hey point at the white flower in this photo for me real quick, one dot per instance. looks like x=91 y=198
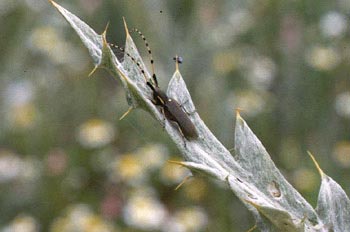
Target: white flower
x=189 y=219
x=144 y=212
x=333 y=24
x=22 y=223
x=261 y=72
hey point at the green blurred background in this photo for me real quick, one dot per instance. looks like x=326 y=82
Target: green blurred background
x=68 y=164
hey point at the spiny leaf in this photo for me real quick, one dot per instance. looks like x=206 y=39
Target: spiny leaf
x=88 y=36
x=250 y=173
x=253 y=157
x=333 y=205
x=281 y=219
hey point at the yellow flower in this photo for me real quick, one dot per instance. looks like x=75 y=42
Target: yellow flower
x=226 y=62
x=152 y=156
x=173 y=173
x=80 y=218
x=23 y=116
x=305 y=179
x=341 y=154
x=322 y=58
x=95 y=133
x=128 y=168
x=251 y=102
x=196 y=189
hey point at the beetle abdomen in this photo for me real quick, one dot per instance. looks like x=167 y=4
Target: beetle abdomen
x=174 y=112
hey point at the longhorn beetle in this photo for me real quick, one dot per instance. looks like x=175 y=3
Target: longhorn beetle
x=170 y=108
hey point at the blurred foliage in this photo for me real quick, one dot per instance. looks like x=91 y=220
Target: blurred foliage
x=68 y=164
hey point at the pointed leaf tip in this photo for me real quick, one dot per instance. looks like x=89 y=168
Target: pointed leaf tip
x=105 y=30
x=316 y=164
x=176 y=63
x=253 y=228
x=91 y=40
x=93 y=71
x=54 y=4
x=126 y=28
x=177 y=73
x=238 y=112
x=176 y=162
x=183 y=182
x=239 y=118
x=252 y=204
x=104 y=39
x=126 y=113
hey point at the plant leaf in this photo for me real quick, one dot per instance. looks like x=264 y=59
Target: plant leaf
x=253 y=157
x=88 y=36
x=333 y=205
x=250 y=173
x=281 y=219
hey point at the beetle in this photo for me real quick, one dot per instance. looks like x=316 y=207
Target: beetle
x=170 y=108
x=173 y=111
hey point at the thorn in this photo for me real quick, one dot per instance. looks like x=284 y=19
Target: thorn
x=238 y=111
x=126 y=28
x=105 y=44
x=177 y=63
x=106 y=28
x=93 y=71
x=252 y=229
x=182 y=182
x=252 y=204
x=53 y=3
x=126 y=113
x=176 y=162
x=123 y=76
x=316 y=164
x=181 y=164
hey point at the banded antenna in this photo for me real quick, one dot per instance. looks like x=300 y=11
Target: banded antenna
x=149 y=53
x=132 y=58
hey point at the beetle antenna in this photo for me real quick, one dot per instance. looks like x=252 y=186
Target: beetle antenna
x=154 y=78
x=150 y=85
x=132 y=58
